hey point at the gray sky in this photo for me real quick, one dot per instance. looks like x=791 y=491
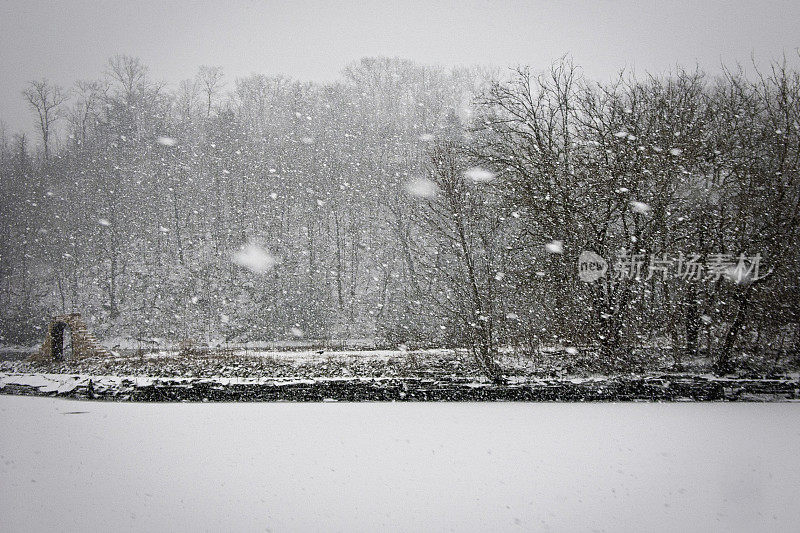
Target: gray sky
x=311 y=40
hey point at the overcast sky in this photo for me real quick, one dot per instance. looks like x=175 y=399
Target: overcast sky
x=310 y=40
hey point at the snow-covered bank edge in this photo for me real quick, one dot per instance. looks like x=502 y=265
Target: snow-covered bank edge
x=641 y=388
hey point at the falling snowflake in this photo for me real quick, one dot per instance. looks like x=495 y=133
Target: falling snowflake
x=555 y=247
x=166 y=141
x=254 y=258
x=512 y=316
x=571 y=350
x=479 y=175
x=500 y=276
x=307 y=140
x=296 y=331
x=640 y=207
x=426 y=137
x=103 y=221
x=621 y=134
x=320 y=203
x=676 y=151
x=163 y=229
x=273 y=195
x=421 y=188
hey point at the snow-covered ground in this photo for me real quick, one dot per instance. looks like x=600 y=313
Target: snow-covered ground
x=73 y=466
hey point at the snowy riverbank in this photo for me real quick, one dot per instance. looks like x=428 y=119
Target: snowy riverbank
x=677 y=387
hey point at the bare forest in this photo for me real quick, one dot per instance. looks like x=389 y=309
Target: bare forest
x=413 y=206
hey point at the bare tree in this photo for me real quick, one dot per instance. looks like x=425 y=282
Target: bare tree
x=86 y=110
x=46 y=99
x=466 y=224
x=129 y=72
x=188 y=91
x=211 y=82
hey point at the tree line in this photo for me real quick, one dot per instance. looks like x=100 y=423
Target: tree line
x=418 y=205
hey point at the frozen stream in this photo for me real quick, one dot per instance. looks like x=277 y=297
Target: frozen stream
x=76 y=466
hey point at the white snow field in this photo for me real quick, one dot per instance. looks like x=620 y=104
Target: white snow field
x=76 y=466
